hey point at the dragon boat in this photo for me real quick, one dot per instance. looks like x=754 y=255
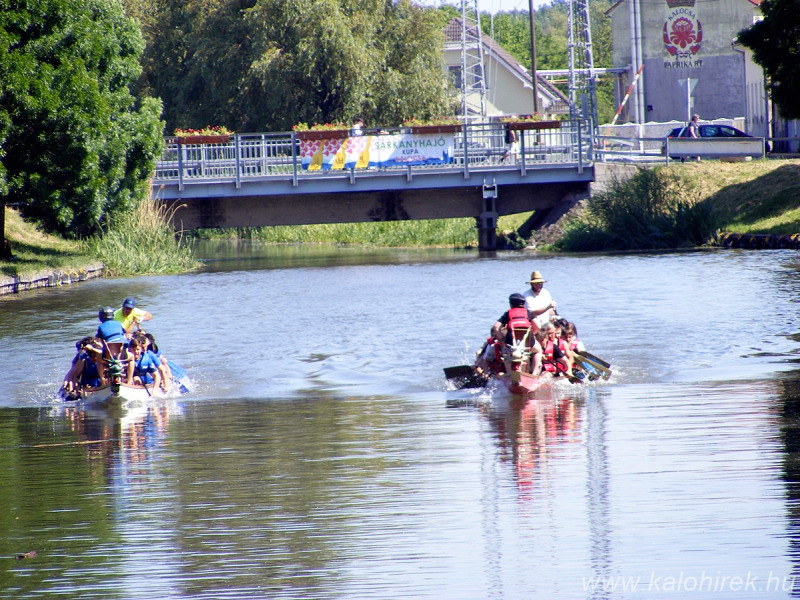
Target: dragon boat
x=515 y=374
x=116 y=394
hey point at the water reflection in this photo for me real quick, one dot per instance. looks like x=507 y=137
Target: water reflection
x=120 y=440
x=789 y=410
x=530 y=432
x=228 y=255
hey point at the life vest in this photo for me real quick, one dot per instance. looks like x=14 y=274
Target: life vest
x=90 y=375
x=548 y=354
x=518 y=321
x=497 y=365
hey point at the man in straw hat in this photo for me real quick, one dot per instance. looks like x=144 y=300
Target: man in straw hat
x=538 y=300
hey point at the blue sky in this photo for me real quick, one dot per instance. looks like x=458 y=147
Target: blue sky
x=491 y=6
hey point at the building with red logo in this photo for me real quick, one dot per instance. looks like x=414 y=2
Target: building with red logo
x=692 y=63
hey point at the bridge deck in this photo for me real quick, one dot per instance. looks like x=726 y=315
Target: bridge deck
x=275 y=179
x=274 y=161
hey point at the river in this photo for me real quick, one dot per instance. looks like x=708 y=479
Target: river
x=321 y=454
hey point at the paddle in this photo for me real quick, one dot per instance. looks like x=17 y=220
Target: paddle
x=602 y=368
x=459 y=371
x=563 y=371
x=595 y=359
x=465 y=377
x=590 y=371
x=179 y=374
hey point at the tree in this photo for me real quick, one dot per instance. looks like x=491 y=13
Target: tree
x=76 y=144
x=775 y=42
x=256 y=65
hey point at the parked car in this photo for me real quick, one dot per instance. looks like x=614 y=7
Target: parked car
x=707 y=131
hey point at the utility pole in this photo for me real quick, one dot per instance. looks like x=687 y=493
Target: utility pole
x=533 y=61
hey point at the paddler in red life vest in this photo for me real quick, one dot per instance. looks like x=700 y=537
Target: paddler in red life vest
x=556 y=355
x=538 y=300
x=490 y=358
x=516 y=322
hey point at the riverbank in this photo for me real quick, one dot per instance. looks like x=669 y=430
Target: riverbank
x=141 y=243
x=685 y=205
x=756 y=197
x=42 y=260
x=748 y=197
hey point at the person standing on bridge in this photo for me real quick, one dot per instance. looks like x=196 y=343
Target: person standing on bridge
x=538 y=300
x=512 y=144
x=358 y=127
x=694 y=131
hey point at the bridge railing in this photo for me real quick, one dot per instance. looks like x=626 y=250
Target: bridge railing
x=259 y=156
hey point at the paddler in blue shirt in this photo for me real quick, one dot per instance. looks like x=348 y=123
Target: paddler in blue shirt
x=111 y=332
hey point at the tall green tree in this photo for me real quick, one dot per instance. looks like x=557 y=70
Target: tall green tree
x=775 y=42
x=76 y=144
x=256 y=65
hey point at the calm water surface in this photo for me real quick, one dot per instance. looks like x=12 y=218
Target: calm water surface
x=321 y=454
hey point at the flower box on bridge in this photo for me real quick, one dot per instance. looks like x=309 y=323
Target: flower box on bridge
x=188 y=140
x=428 y=129
x=322 y=134
x=528 y=125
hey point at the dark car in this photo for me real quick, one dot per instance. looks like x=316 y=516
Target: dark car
x=707 y=131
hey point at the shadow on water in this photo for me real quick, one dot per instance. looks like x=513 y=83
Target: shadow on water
x=789 y=412
x=228 y=255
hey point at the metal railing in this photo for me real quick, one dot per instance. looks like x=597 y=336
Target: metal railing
x=654 y=150
x=261 y=156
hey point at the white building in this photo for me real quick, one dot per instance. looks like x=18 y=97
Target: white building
x=509 y=89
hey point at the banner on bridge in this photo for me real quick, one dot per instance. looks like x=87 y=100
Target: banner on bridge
x=391 y=150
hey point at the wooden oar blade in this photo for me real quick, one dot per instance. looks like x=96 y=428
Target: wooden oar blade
x=459 y=371
x=463 y=376
x=596 y=359
x=590 y=365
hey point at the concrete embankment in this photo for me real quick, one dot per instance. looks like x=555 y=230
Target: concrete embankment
x=45 y=279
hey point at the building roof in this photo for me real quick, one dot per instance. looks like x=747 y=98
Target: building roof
x=452 y=37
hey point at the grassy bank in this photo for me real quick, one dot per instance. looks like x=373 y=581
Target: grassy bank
x=35 y=251
x=746 y=197
x=139 y=243
x=439 y=233
x=684 y=205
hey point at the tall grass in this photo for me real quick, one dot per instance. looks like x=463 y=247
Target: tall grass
x=654 y=209
x=457 y=233
x=434 y=233
x=141 y=241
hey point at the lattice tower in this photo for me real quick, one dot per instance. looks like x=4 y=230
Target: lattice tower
x=582 y=88
x=473 y=82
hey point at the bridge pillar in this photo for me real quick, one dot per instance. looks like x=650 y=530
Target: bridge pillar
x=487 y=222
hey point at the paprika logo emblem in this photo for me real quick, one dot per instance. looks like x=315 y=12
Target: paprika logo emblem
x=683 y=33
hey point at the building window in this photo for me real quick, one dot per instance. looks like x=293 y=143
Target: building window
x=455 y=77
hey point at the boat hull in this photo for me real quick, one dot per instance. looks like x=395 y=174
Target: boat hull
x=106 y=397
x=521 y=383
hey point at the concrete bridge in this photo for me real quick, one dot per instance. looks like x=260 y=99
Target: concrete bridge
x=252 y=180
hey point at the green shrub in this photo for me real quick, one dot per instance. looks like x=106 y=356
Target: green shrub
x=654 y=209
x=141 y=241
